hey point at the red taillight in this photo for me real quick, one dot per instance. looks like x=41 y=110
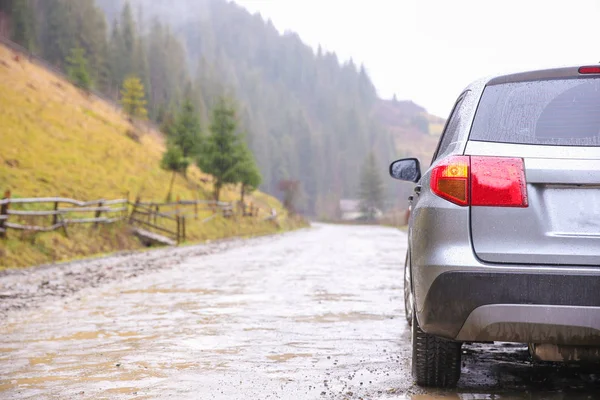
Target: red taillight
x=450 y=180
x=592 y=69
x=481 y=181
x=498 y=181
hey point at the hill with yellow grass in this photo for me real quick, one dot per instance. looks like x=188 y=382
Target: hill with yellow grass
x=56 y=140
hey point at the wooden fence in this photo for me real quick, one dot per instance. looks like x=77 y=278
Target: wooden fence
x=62 y=212
x=167 y=219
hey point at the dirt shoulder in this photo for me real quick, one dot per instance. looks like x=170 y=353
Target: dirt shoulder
x=30 y=287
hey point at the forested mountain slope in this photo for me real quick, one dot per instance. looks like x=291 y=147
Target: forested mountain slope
x=306 y=115
x=58 y=141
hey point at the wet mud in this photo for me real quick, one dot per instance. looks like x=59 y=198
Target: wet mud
x=314 y=314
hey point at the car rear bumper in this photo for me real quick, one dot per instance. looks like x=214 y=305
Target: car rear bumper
x=526 y=307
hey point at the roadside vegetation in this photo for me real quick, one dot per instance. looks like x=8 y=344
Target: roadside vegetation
x=59 y=141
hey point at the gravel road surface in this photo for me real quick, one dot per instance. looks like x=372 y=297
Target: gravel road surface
x=312 y=314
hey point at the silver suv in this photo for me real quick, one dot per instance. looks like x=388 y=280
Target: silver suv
x=504 y=228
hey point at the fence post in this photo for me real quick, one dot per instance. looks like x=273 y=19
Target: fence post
x=64 y=227
x=98 y=213
x=55 y=216
x=133 y=210
x=125 y=211
x=4 y=212
x=183 y=220
x=178 y=220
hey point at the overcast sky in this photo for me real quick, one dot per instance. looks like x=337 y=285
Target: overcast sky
x=429 y=50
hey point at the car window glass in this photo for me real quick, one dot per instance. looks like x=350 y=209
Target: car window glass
x=561 y=112
x=450 y=135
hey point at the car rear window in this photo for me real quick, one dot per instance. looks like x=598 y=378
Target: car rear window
x=562 y=112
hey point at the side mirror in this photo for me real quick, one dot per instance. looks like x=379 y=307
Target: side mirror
x=406 y=169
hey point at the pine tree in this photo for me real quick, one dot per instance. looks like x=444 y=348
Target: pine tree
x=77 y=68
x=173 y=160
x=186 y=132
x=221 y=154
x=128 y=40
x=168 y=74
x=126 y=55
x=371 y=190
x=248 y=173
x=91 y=33
x=59 y=31
x=23 y=24
x=167 y=121
x=133 y=97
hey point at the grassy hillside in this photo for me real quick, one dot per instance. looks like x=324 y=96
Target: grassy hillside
x=57 y=141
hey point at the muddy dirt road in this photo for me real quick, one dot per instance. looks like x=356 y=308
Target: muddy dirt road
x=307 y=315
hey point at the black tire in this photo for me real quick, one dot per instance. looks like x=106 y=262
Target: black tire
x=408 y=306
x=435 y=360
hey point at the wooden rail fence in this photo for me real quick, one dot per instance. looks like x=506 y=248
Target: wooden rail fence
x=150 y=217
x=167 y=219
x=64 y=212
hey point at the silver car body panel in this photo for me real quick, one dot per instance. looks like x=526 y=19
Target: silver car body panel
x=561 y=225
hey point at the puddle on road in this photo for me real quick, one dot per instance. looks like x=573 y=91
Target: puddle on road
x=231 y=351
x=495 y=396
x=288 y=356
x=259 y=329
x=47 y=359
x=80 y=378
x=326 y=296
x=237 y=304
x=342 y=317
x=36 y=382
x=7 y=349
x=127 y=334
x=122 y=390
x=155 y=290
x=210 y=319
x=299 y=344
x=85 y=335
x=139 y=339
x=89 y=335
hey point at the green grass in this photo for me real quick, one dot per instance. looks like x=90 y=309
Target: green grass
x=57 y=141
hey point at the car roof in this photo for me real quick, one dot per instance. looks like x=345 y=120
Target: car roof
x=534 y=75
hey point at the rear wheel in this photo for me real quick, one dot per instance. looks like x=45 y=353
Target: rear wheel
x=435 y=360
